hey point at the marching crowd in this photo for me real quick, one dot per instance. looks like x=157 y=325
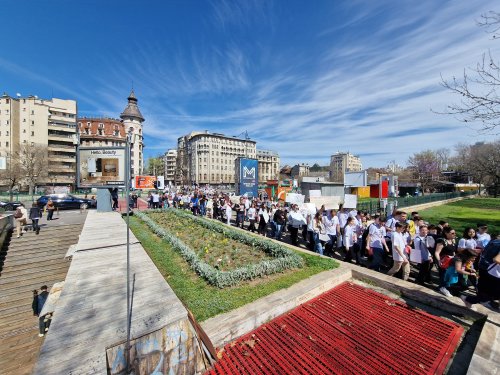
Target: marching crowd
x=397 y=242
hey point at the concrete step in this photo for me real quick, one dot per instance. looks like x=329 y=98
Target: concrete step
x=15 y=273
x=17 y=270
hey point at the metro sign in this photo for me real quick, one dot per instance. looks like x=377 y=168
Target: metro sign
x=248 y=173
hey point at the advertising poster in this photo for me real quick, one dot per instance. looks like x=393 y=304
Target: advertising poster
x=247 y=177
x=101 y=167
x=145 y=182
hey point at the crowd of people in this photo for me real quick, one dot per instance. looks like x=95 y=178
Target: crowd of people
x=392 y=245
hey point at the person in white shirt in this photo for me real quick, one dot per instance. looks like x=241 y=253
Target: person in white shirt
x=342 y=215
x=252 y=215
x=332 y=228
x=295 y=221
x=375 y=242
x=228 y=210
x=468 y=241
x=425 y=244
x=482 y=236
x=263 y=220
x=398 y=252
x=350 y=240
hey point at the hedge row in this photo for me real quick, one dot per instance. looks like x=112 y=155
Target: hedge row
x=284 y=259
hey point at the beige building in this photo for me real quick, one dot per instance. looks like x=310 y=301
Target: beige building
x=342 y=162
x=31 y=121
x=170 y=161
x=299 y=170
x=209 y=158
x=269 y=165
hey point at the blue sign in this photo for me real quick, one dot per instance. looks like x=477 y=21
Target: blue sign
x=248 y=177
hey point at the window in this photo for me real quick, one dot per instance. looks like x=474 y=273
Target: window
x=24 y=120
x=7 y=122
x=6 y=144
x=32 y=133
x=24 y=109
x=32 y=112
x=7 y=133
x=88 y=123
x=24 y=130
x=32 y=122
x=101 y=125
x=32 y=143
x=24 y=141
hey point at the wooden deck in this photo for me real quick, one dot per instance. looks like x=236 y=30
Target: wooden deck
x=28 y=263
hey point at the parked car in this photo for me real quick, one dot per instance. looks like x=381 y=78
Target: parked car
x=9 y=206
x=64 y=201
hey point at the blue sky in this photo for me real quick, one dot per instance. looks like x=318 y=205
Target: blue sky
x=304 y=78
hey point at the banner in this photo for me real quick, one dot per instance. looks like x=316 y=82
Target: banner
x=247 y=178
x=145 y=182
x=350 y=201
x=331 y=203
x=100 y=167
x=294 y=198
x=314 y=193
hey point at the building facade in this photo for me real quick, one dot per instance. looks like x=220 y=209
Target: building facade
x=269 y=165
x=46 y=124
x=111 y=132
x=299 y=170
x=209 y=158
x=101 y=132
x=342 y=162
x=170 y=161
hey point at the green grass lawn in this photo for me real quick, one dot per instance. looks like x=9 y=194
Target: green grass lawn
x=467 y=213
x=206 y=301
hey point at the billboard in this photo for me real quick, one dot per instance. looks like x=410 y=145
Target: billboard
x=145 y=182
x=355 y=179
x=99 y=167
x=247 y=177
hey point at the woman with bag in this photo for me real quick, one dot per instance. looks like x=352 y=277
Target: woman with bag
x=445 y=251
x=489 y=277
x=50 y=209
x=35 y=215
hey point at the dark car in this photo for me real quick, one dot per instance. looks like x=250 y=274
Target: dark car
x=9 y=206
x=64 y=201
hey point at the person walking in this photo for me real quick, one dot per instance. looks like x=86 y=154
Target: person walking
x=424 y=244
x=398 y=252
x=20 y=216
x=35 y=215
x=296 y=221
x=375 y=242
x=263 y=220
x=279 y=222
x=51 y=207
x=318 y=228
x=252 y=217
x=37 y=306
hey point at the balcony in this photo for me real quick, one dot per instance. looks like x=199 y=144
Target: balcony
x=59 y=147
x=62 y=158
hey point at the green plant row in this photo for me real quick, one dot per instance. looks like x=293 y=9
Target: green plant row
x=222 y=279
x=272 y=248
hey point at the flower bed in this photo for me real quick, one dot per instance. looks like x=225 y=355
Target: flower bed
x=276 y=259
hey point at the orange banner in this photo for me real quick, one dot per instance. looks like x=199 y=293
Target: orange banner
x=145 y=182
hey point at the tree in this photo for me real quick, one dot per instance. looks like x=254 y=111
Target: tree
x=156 y=166
x=480 y=161
x=25 y=166
x=315 y=168
x=425 y=168
x=478 y=88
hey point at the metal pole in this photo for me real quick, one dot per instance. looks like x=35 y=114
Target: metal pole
x=127 y=192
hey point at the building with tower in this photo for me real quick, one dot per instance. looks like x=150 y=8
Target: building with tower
x=110 y=132
x=132 y=121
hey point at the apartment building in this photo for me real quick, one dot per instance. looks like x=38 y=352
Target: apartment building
x=51 y=123
x=170 y=160
x=269 y=165
x=342 y=162
x=209 y=158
